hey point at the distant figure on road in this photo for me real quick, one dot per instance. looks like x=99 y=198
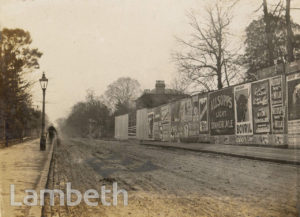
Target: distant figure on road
x=51 y=132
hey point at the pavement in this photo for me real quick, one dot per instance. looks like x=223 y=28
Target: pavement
x=271 y=154
x=25 y=166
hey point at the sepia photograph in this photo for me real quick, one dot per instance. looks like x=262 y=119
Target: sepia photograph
x=150 y=108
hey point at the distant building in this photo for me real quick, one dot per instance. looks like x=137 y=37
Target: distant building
x=158 y=96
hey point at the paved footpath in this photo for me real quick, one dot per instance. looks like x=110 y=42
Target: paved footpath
x=277 y=155
x=25 y=166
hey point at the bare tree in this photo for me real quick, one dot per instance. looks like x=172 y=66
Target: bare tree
x=122 y=92
x=180 y=83
x=90 y=117
x=206 y=59
x=267 y=20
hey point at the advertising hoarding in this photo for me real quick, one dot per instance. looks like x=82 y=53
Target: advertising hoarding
x=203 y=118
x=189 y=110
x=186 y=116
x=277 y=107
x=293 y=95
x=165 y=122
x=157 y=129
x=132 y=124
x=151 y=125
x=175 y=108
x=175 y=120
x=194 y=124
x=195 y=104
x=182 y=110
x=243 y=110
x=221 y=112
x=261 y=107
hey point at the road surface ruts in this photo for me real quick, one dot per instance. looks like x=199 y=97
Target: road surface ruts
x=164 y=182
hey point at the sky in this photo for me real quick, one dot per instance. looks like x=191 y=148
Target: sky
x=88 y=44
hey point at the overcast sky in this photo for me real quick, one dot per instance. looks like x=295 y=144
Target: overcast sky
x=87 y=44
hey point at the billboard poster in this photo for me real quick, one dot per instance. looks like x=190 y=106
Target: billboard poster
x=165 y=122
x=193 y=129
x=186 y=110
x=189 y=110
x=182 y=117
x=165 y=114
x=175 y=119
x=277 y=107
x=132 y=124
x=157 y=129
x=175 y=108
x=221 y=112
x=195 y=104
x=293 y=92
x=184 y=128
x=182 y=110
x=150 y=125
x=243 y=108
x=193 y=123
x=203 y=119
x=174 y=132
x=261 y=107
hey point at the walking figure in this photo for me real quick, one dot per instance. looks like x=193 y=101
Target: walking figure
x=51 y=132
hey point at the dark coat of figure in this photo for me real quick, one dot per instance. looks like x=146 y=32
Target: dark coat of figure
x=51 y=133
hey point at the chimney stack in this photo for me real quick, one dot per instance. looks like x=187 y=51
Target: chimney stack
x=160 y=87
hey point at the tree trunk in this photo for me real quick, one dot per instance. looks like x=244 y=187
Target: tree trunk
x=219 y=74
x=220 y=85
x=226 y=74
x=289 y=44
x=268 y=34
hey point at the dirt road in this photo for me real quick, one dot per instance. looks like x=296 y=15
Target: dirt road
x=164 y=182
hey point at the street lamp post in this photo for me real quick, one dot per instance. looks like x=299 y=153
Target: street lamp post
x=44 y=83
